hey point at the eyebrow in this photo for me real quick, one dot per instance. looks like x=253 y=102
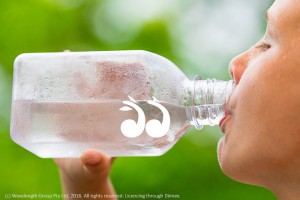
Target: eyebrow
x=269 y=18
x=267 y=15
x=270 y=23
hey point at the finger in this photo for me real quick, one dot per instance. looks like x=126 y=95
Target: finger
x=95 y=162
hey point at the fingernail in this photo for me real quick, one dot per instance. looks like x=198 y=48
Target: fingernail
x=92 y=159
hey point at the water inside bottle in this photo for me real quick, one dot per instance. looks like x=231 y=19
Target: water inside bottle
x=65 y=129
x=209 y=114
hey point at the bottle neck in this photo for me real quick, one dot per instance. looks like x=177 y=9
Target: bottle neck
x=207 y=101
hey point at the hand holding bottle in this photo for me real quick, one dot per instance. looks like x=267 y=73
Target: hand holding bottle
x=86 y=175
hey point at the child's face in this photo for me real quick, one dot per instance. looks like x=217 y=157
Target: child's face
x=262 y=135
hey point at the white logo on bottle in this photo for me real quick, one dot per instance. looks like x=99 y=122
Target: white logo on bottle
x=154 y=127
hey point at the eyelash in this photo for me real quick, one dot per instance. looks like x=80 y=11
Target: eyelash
x=263 y=46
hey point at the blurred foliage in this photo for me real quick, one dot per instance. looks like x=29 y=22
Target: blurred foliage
x=190 y=169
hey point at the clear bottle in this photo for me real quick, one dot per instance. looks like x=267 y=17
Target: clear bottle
x=124 y=103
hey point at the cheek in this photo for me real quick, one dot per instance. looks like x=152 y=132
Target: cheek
x=248 y=120
x=267 y=106
x=261 y=112
x=243 y=141
x=257 y=139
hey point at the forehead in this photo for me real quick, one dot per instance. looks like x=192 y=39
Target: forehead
x=284 y=20
x=286 y=12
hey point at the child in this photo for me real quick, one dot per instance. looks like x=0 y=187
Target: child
x=261 y=141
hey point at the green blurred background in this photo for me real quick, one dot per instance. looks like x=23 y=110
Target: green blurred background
x=199 y=36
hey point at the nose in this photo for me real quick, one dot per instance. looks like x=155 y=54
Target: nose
x=237 y=66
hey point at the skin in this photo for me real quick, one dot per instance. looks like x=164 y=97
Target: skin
x=86 y=175
x=261 y=142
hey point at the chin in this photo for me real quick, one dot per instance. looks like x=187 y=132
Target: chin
x=239 y=171
x=233 y=166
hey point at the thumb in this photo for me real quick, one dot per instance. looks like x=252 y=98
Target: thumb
x=96 y=163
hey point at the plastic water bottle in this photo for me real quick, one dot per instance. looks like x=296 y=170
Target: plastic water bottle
x=123 y=103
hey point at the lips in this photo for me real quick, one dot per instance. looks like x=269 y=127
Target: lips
x=226 y=117
x=222 y=120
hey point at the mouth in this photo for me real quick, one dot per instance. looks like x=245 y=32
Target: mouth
x=227 y=116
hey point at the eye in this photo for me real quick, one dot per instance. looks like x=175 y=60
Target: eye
x=263 y=46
